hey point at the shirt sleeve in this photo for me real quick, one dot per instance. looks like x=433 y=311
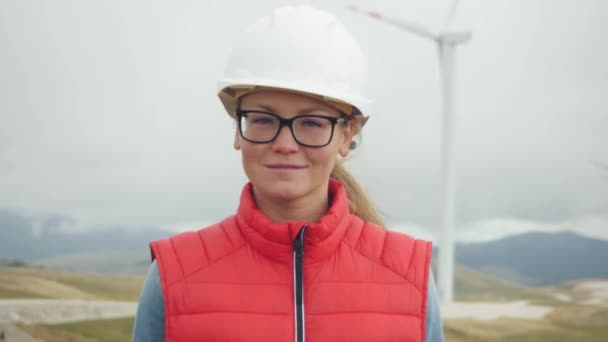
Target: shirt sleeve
x=434 y=325
x=149 y=323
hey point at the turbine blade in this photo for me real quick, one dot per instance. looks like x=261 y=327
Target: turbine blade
x=603 y=166
x=450 y=15
x=404 y=24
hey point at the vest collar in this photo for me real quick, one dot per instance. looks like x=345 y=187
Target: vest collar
x=275 y=240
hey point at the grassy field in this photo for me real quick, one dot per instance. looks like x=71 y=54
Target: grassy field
x=89 y=331
x=520 y=330
x=472 y=286
x=22 y=282
x=25 y=282
x=570 y=321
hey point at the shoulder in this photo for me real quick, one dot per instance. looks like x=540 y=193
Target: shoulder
x=191 y=250
x=371 y=238
x=224 y=234
x=408 y=256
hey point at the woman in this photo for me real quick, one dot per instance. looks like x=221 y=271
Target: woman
x=305 y=257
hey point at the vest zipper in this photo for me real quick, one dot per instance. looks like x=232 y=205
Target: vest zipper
x=298 y=284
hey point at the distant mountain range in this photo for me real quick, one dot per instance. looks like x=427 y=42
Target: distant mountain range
x=39 y=241
x=533 y=258
x=538 y=258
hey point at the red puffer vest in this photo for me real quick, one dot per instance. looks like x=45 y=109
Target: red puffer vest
x=248 y=279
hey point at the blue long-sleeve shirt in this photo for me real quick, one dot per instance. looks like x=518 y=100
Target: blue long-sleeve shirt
x=150 y=318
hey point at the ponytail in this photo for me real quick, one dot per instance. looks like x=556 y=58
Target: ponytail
x=358 y=202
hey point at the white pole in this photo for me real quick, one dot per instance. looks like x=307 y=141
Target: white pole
x=446 y=247
x=446 y=43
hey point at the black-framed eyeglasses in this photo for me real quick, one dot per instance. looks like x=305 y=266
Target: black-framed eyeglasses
x=309 y=130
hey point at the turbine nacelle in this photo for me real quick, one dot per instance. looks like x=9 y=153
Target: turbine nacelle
x=456 y=37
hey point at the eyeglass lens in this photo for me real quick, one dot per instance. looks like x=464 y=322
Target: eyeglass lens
x=308 y=130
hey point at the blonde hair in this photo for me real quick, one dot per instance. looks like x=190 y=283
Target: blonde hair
x=358 y=201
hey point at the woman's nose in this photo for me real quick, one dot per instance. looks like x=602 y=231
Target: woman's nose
x=285 y=141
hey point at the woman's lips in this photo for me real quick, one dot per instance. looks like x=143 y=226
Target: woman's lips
x=284 y=166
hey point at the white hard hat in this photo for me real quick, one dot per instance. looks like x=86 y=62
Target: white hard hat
x=301 y=49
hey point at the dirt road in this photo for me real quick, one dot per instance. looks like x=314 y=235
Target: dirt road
x=10 y=333
x=489 y=311
x=51 y=311
x=47 y=311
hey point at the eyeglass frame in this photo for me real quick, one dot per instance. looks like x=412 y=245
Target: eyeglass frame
x=289 y=123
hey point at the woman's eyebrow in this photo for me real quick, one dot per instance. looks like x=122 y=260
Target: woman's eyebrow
x=308 y=110
x=314 y=109
x=263 y=107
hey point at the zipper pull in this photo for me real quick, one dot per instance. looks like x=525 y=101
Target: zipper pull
x=298 y=284
x=298 y=243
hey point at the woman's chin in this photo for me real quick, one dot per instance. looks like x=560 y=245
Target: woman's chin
x=284 y=191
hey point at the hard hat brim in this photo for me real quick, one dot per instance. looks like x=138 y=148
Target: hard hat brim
x=229 y=92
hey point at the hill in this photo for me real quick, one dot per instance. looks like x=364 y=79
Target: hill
x=538 y=259
x=42 y=241
x=29 y=282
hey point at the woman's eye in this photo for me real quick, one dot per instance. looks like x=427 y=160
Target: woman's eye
x=261 y=121
x=312 y=123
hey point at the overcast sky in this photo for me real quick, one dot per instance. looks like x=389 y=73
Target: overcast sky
x=109 y=114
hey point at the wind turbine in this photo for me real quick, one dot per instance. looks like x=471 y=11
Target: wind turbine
x=599 y=164
x=446 y=41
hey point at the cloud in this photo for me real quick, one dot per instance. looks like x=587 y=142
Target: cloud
x=110 y=115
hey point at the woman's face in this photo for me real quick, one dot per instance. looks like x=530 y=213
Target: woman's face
x=284 y=170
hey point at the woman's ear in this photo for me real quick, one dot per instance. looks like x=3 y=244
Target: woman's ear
x=347 y=140
x=237 y=140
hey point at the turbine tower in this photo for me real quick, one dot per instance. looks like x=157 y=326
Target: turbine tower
x=446 y=41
